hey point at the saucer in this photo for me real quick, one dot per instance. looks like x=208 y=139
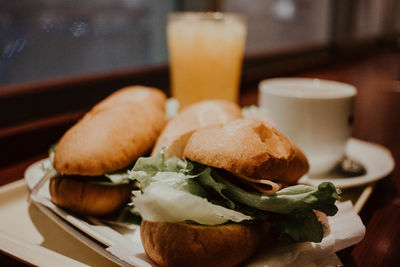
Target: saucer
x=377 y=160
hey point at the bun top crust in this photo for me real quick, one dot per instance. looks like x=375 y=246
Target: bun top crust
x=132 y=95
x=248 y=147
x=113 y=134
x=193 y=117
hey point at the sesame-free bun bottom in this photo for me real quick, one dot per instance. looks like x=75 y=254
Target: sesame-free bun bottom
x=182 y=244
x=87 y=198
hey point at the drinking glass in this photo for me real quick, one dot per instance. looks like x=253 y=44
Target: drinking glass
x=205 y=54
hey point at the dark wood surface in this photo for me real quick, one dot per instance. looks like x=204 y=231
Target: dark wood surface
x=377 y=119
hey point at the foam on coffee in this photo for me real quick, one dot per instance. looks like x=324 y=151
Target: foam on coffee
x=307 y=88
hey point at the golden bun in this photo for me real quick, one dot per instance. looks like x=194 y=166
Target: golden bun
x=113 y=134
x=181 y=244
x=248 y=147
x=194 y=117
x=87 y=198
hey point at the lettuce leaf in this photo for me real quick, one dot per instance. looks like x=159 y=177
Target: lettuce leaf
x=146 y=169
x=299 y=226
x=173 y=172
x=121 y=177
x=287 y=200
x=52 y=153
x=176 y=190
x=158 y=163
x=162 y=202
x=170 y=192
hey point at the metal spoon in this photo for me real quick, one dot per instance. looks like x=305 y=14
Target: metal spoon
x=346 y=168
x=350 y=168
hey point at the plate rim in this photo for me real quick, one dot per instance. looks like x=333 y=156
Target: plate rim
x=344 y=183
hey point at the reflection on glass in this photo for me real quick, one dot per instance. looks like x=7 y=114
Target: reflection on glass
x=283 y=24
x=370 y=18
x=47 y=39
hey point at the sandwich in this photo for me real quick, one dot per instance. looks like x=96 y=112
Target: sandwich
x=91 y=156
x=191 y=118
x=232 y=191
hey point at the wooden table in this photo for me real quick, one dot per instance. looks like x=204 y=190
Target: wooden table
x=377 y=119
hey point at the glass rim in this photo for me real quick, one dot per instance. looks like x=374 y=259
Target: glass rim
x=207 y=16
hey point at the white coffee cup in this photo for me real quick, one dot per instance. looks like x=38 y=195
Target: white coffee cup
x=315 y=114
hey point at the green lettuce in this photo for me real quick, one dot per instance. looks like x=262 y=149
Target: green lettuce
x=176 y=190
x=287 y=200
x=119 y=177
x=171 y=192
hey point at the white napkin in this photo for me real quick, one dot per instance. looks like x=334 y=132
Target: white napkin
x=347 y=229
x=346 y=226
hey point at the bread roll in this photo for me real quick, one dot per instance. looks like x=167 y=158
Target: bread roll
x=181 y=244
x=193 y=117
x=250 y=148
x=86 y=198
x=113 y=134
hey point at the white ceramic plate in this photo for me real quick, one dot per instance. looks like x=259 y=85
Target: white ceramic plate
x=377 y=160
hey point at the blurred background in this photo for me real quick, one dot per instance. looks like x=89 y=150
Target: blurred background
x=43 y=40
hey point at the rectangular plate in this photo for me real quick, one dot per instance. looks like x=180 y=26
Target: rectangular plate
x=358 y=195
x=52 y=235
x=24 y=225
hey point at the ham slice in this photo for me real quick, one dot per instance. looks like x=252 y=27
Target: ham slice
x=262 y=185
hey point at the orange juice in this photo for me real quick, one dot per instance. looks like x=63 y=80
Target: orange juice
x=205 y=54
